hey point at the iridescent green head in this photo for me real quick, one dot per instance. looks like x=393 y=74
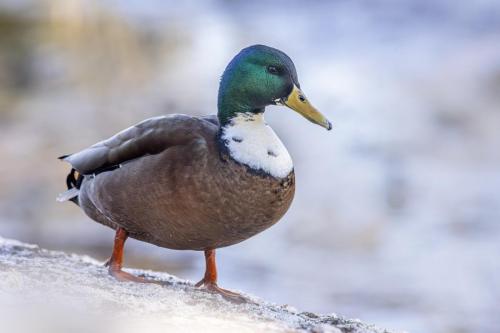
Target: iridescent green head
x=259 y=76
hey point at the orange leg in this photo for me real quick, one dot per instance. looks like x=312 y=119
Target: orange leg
x=115 y=263
x=209 y=281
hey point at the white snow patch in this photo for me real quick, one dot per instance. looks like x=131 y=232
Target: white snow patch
x=48 y=291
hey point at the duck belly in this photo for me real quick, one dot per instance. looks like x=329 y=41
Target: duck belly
x=193 y=206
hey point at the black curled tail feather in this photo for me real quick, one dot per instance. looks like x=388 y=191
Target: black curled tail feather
x=74 y=181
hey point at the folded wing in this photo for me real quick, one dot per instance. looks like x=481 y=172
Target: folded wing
x=151 y=136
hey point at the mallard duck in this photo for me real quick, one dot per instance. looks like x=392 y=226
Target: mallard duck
x=197 y=183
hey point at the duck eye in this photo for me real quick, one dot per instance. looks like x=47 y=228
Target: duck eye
x=273 y=69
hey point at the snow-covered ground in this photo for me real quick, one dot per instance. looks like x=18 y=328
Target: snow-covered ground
x=47 y=291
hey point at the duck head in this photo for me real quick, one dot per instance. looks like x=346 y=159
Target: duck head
x=259 y=76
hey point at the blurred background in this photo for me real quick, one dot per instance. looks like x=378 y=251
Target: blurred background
x=396 y=218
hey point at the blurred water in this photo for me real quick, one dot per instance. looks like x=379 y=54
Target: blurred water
x=396 y=216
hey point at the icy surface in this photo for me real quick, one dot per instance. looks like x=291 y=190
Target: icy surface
x=50 y=291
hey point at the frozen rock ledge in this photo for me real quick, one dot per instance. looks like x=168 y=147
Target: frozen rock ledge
x=49 y=291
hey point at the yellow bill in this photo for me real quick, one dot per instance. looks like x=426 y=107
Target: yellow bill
x=298 y=102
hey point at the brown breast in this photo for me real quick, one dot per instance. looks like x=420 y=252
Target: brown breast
x=189 y=197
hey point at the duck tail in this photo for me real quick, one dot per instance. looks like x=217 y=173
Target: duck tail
x=73 y=182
